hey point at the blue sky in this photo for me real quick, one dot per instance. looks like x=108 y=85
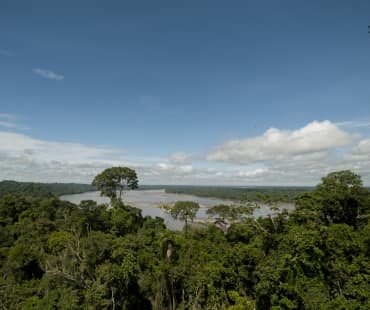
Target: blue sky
x=180 y=90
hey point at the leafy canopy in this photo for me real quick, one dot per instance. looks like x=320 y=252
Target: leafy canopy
x=115 y=180
x=184 y=210
x=343 y=197
x=58 y=255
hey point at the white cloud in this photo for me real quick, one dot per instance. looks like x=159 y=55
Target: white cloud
x=186 y=168
x=276 y=144
x=27 y=159
x=253 y=173
x=15 y=144
x=296 y=157
x=360 y=155
x=172 y=169
x=181 y=158
x=47 y=74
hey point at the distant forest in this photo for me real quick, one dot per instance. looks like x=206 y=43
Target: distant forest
x=42 y=189
x=258 y=194
x=264 y=194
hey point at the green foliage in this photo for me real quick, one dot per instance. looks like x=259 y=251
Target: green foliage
x=41 y=190
x=240 y=302
x=257 y=194
x=58 y=241
x=115 y=179
x=234 y=212
x=57 y=255
x=183 y=211
x=343 y=198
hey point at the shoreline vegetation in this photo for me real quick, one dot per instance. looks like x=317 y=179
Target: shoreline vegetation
x=264 y=194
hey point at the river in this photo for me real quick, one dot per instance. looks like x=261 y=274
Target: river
x=150 y=200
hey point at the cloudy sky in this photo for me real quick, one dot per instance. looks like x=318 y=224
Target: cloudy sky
x=194 y=92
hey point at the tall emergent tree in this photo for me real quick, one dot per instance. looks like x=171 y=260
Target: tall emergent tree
x=343 y=197
x=112 y=182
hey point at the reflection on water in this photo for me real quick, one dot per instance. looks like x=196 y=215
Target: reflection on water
x=149 y=200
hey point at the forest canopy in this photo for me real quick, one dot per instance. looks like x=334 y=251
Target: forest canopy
x=43 y=189
x=58 y=255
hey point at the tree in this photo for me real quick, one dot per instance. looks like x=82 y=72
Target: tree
x=225 y=215
x=343 y=197
x=232 y=213
x=222 y=212
x=183 y=211
x=115 y=180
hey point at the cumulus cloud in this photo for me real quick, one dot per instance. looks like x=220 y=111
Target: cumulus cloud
x=277 y=144
x=277 y=157
x=16 y=144
x=47 y=74
x=362 y=150
x=24 y=158
x=295 y=157
x=359 y=157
